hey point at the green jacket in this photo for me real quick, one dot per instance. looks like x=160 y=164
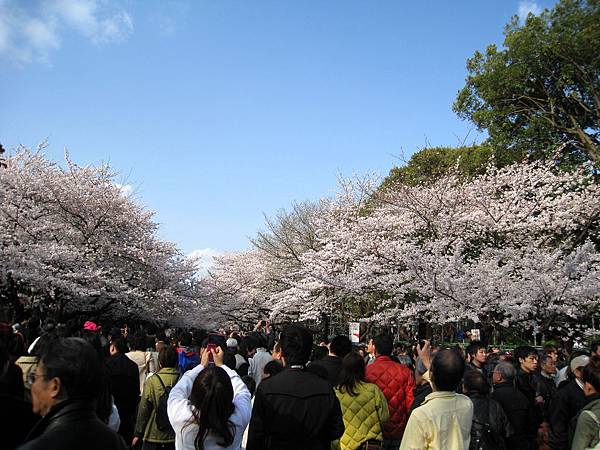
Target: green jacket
x=364 y=416
x=145 y=425
x=587 y=433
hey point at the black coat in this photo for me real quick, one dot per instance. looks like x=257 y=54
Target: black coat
x=295 y=410
x=526 y=385
x=124 y=383
x=125 y=389
x=488 y=411
x=546 y=387
x=419 y=393
x=567 y=402
x=72 y=425
x=520 y=413
x=333 y=366
x=16 y=419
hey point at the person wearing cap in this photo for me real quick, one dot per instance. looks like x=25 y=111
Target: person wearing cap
x=233 y=347
x=567 y=402
x=232 y=344
x=587 y=432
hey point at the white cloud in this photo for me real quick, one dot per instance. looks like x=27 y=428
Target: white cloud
x=205 y=258
x=527 y=7
x=30 y=30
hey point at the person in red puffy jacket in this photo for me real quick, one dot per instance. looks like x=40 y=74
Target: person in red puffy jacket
x=397 y=383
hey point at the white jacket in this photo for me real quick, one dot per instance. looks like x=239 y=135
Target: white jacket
x=257 y=364
x=179 y=410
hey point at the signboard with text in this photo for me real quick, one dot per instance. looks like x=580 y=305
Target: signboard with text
x=354 y=332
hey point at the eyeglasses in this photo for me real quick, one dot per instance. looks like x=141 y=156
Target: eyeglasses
x=32 y=376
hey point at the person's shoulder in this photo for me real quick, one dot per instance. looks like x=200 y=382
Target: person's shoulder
x=314 y=378
x=495 y=404
x=130 y=363
x=367 y=386
x=464 y=400
x=401 y=368
x=66 y=437
x=295 y=380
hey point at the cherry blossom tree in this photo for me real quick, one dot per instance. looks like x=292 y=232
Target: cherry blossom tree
x=71 y=243
x=517 y=246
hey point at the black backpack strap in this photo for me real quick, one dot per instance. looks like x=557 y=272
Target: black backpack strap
x=161 y=381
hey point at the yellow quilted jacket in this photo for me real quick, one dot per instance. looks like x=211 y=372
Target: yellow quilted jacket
x=364 y=416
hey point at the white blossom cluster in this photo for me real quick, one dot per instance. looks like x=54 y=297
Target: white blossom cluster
x=72 y=244
x=517 y=246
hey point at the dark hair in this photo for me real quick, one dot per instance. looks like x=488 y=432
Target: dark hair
x=296 y=343
x=492 y=359
x=13 y=342
x=383 y=344
x=46 y=339
x=259 y=338
x=591 y=372
x=229 y=359
x=216 y=339
x=212 y=398
x=161 y=336
x=273 y=368
x=93 y=339
x=120 y=345
x=340 y=346
x=544 y=357
x=139 y=342
x=523 y=351
x=447 y=368
x=168 y=357
x=594 y=346
x=550 y=348
x=353 y=372
x=475 y=382
x=318 y=352
x=246 y=345
x=115 y=333
x=104 y=399
x=185 y=339
x=75 y=362
x=474 y=347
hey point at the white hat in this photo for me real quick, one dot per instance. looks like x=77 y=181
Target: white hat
x=231 y=342
x=580 y=361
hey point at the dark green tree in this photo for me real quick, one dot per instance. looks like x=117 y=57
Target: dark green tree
x=542 y=88
x=431 y=163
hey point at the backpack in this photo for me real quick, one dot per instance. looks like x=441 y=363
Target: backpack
x=483 y=437
x=162 y=418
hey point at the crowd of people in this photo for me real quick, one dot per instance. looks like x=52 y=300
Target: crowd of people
x=118 y=389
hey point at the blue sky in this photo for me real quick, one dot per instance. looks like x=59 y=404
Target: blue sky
x=217 y=111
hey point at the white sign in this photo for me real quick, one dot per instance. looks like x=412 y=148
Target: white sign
x=354 y=332
x=475 y=334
